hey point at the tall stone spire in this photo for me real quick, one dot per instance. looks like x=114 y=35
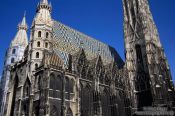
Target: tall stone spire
x=21 y=36
x=146 y=62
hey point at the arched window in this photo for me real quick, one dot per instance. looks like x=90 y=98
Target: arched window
x=52 y=81
x=37 y=55
x=13 y=51
x=39 y=33
x=58 y=83
x=47 y=34
x=36 y=66
x=46 y=45
x=38 y=44
x=12 y=60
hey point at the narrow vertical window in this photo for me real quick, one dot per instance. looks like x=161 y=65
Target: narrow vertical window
x=13 y=51
x=47 y=35
x=38 y=44
x=12 y=60
x=46 y=45
x=39 y=34
x=37 y=55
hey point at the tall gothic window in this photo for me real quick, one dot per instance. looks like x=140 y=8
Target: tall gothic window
x=37 y=55
x=38 y=44
x=52 y=81
x=58 y=83
x=86 y=101
x=139 y=53
x=13 y=51
x=55 y=85
x=39 y=33
x=105 y=104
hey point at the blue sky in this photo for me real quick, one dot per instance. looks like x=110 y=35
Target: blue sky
x=101 y=19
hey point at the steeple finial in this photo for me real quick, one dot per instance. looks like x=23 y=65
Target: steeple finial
x=23 y=24
x=43 y=4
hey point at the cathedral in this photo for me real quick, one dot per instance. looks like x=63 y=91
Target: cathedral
x=63 y=72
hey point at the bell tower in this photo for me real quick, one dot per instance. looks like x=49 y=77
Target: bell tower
x=149 y=72
x=41 y=33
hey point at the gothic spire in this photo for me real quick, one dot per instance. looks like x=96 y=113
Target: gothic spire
x=43 y=4
x=21 y=36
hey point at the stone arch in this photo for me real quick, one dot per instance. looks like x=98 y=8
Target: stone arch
x=69 y=112
x=82 y=63
x=99 y=66
x=27 y=85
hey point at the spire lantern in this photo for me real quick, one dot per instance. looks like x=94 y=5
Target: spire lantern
x=44 y=5
x=44 y=2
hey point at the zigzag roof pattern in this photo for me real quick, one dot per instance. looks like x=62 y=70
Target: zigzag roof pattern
x=69 y=41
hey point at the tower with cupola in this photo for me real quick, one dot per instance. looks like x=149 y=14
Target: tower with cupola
x=41 y=33
x=14 y=54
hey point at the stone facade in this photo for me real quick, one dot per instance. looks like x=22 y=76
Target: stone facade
x=148 y=69
x=66 y=73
